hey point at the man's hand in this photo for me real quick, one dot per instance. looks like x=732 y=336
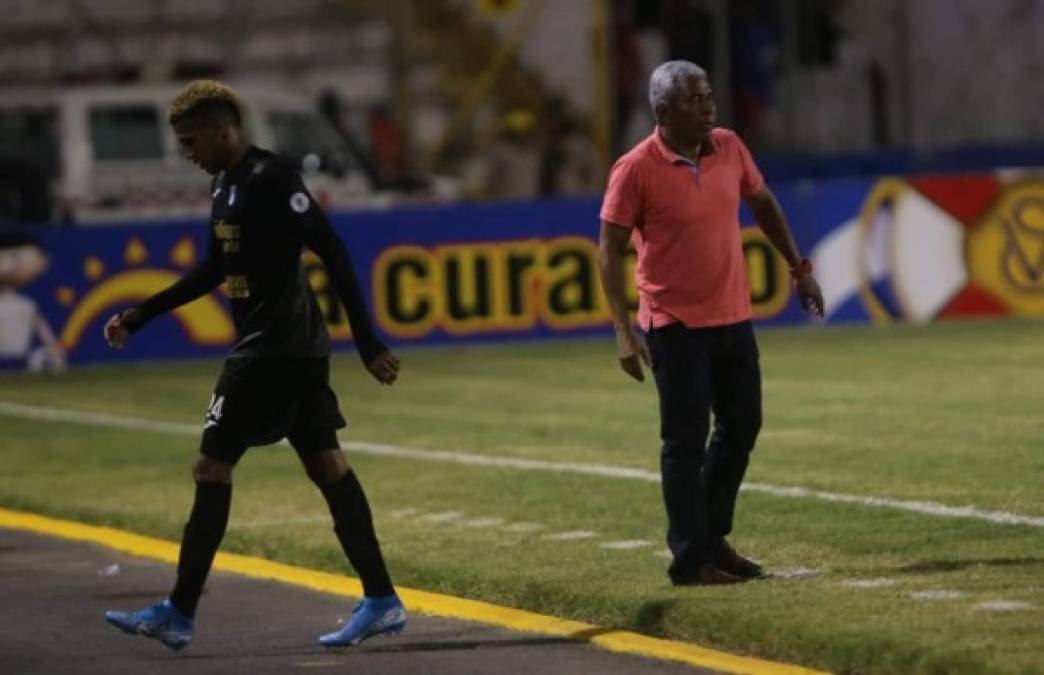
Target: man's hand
x=632 y=352
x=384 y=368
x=116 y=332
x=810 y=295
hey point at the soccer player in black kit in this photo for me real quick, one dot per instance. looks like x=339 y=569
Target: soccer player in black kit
x=274 y=383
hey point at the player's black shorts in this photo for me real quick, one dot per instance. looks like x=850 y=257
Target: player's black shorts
x=258 y=401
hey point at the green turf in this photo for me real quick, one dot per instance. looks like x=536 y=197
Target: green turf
x=949 y=413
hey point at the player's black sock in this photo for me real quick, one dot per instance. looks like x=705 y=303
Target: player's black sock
x=353 y=524
x=203 y=534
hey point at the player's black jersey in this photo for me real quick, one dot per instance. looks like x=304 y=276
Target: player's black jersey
x=261 y=218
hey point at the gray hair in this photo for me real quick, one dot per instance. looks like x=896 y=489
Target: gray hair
x=666 y=79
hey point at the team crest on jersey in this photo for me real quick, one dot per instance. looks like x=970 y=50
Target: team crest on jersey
x=299 y=202
x=214 y=411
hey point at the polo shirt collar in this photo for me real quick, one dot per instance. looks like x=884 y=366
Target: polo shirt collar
x=672 y=156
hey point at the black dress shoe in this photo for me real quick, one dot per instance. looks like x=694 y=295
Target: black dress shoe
x=706 y=574
x=733 y=563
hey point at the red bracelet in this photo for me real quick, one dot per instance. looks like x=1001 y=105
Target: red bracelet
x=804 y=267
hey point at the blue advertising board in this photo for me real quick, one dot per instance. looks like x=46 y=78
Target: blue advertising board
x=885 y=250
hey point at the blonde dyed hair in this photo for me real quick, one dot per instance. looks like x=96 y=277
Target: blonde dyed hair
x=204 y=96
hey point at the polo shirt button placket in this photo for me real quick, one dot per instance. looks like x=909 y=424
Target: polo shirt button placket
x=694 y=170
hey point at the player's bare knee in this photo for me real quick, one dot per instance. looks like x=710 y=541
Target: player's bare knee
x=207 y=470
x=327 y=467
x=331 y=476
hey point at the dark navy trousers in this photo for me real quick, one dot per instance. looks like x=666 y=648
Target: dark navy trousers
x=699 y=371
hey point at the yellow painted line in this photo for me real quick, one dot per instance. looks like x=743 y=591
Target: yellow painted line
x=423 y=602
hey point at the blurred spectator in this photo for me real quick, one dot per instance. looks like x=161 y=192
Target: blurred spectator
x=568 y=166
x=389 y=153
x=26 y=339
x=332 y=108
x=387 y=143
x=513 y=167
x=385 y=163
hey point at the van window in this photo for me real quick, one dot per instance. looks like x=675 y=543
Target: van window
x=126 y=133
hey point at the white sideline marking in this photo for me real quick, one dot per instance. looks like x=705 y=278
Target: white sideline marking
x=483 y=522
x=626 y=544
x=444 y=517
x=524 y=527
x=569 y=536
x=937 y=595
x=1004 y=606
x=880 y=582
x=664 y=553
x=402 y=513
x=915 y=505
x=602 y=470
x=795 y=573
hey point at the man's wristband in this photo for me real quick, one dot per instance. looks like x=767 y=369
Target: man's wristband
x=802 y=268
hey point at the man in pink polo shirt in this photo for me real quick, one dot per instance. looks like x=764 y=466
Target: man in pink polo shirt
x=676 y=196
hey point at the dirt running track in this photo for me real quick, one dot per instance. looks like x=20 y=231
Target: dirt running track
x=53 y=593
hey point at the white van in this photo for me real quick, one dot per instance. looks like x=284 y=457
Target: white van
x=110 y=155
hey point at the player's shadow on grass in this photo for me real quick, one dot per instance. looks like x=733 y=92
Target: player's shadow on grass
x=930 y=566
x=651 y=614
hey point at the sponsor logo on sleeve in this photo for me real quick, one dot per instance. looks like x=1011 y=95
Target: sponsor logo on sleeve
x=299 y=202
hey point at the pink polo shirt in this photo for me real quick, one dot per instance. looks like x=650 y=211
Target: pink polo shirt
x=684 y=222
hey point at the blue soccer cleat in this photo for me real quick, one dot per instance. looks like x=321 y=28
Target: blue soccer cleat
x=372 y=617
x=161 y=622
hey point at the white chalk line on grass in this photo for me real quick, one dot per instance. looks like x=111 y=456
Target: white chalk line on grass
x=1004 y=606
x=601 y=470
x=877 y=582
x=444 y=517
x=571 y=535
x=794 y=573
x=936 y=594
x=626 y=545
x=523 y=528
x=483 y=522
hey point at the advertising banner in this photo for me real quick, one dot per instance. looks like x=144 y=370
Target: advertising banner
x=917 y=249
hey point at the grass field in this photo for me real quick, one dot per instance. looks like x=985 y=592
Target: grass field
x=945 y=413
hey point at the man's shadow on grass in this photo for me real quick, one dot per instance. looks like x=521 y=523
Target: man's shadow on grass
x=651 y=615
x=932 y=566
